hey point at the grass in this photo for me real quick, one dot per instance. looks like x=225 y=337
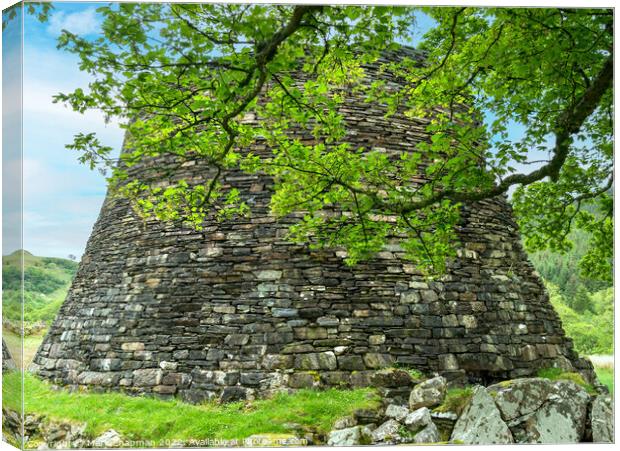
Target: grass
x=149 y=419
x=456 y=400
x=31 y=344
x=606 y=376
x=413 y=372
x=555 y=374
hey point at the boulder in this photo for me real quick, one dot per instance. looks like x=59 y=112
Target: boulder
x=387 y=433
x=418 y=420
x=519 y=397
x=445 y=422
x=481 y=422
x=367 y=416
x=345 y=422
x=396 y=412
x=421 y=425
x=428 y=393
x=429 y=434
x=357 y=435
x=109 y=439
x=541 y=410
x=602 y=420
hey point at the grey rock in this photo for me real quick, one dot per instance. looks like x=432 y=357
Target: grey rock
x=232 y=394
x=396 y=412
x=328 y=321
x=268 y=274
x=357 y=435
x=109 y=439
x=367 y=416
x=351 y=363
x=387 y=433
x=602 y=419
x=301 y=380
x=430 y=434
x=194 y=396
x=417 y=420
x=345 y=422
x=284 y=312
x=391 y=377
x=377 y=360
x=481 y=422
x=147 y=377
x=98 y=378
x=428 y=393
x=316 y=361
x=543 y=411
x=168 y=366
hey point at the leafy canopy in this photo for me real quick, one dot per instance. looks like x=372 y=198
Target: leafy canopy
x=181 y=79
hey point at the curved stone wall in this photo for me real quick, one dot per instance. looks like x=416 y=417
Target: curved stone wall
x=235 y=310
x=8 y=363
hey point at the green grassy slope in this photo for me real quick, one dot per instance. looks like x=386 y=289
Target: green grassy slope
x=142 y=418
x=46 y=281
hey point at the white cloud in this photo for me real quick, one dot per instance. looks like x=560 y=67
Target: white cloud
x=81 y=23
x=62 y=197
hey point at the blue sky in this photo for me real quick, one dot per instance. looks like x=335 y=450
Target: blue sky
x=62 y=198
x=11 y=134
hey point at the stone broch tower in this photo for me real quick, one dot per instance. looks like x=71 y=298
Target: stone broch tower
x=235 y=310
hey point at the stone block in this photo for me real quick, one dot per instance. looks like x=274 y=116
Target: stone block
x=302 y=380
x=268 y=274
x=233 y=394
x=178 y=379
x=310 y=333
x=328 y=321
x=147 y=377
x=106 y=364
x=284 y=312
x=310 y=312
x=278 y=361
x=165 y=389
x=316 y=361
x=378 y=360
x=168 y=366
x=193 y=396
x=237 y=339
x=335 y=378
x=96 y=378
x=351 y=362
x=225 y=377
x=361 y=379
x=391 y=377
x=252 y=379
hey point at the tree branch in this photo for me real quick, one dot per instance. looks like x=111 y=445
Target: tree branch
x=569 y=123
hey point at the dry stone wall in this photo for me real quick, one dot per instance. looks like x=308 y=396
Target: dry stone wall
x=236 y=311
x=7 y=359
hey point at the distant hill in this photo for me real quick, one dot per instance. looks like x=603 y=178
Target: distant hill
x=562 y=269
x=46 y=281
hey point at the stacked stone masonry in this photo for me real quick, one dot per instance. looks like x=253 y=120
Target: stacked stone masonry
x=236 y=310
x=7 y=359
